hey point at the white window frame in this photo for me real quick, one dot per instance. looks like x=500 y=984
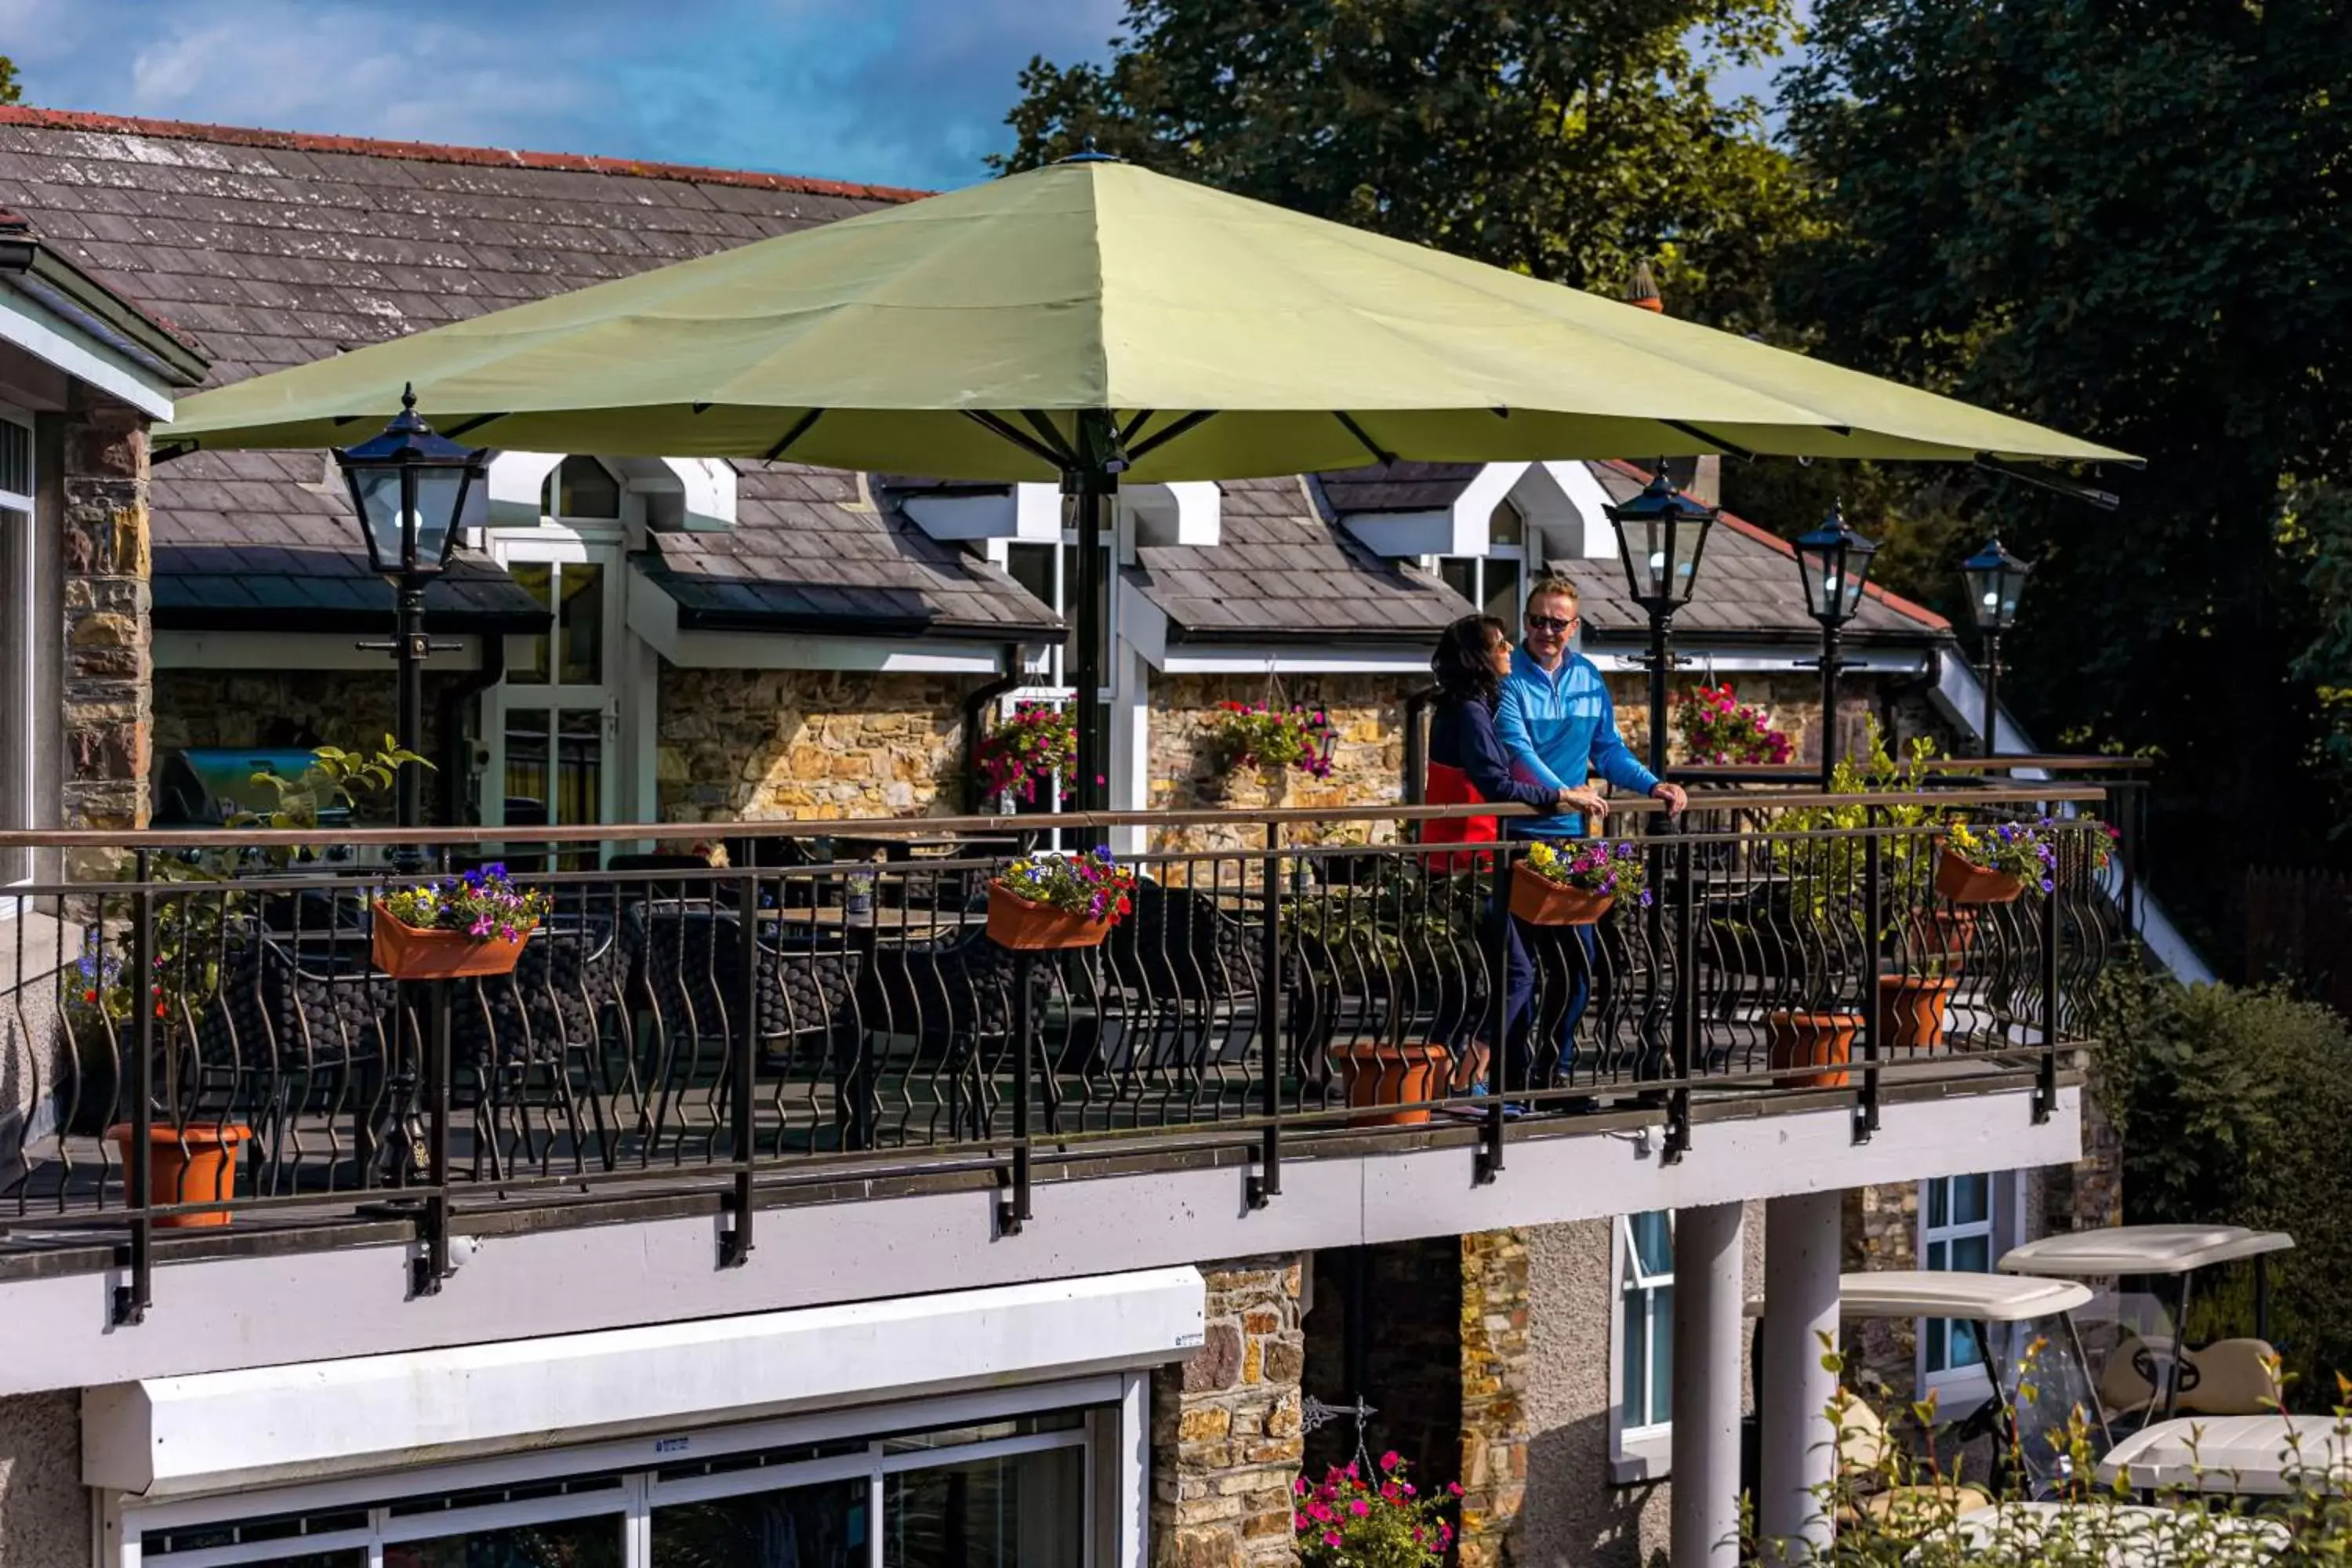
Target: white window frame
x=1110 y=1434
x=20 y=752
x=1047 y=678
x=1638 y=1451
x=1960 y=1390
x=1527 y=554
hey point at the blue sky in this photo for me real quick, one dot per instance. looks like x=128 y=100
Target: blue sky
x=908 y=92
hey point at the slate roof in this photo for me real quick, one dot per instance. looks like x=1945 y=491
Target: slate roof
x=809 y=552
x=1397 y=487
x=273 y=248
x=1282 y=574
x=1747 y=588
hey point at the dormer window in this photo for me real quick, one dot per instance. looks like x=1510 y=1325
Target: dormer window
x=584 y=488
x=1496 y=581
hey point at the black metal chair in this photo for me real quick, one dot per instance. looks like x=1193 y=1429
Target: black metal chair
x=1172 y=1011
x=522 y=1037
x=936 y=1014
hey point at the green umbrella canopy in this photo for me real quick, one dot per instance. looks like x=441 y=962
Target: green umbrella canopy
x=948 y=336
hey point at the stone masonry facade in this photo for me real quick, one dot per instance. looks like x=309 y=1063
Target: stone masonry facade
x=107 y=676
x=1496 y=1347
x=1226 y=1438
x=770 y=744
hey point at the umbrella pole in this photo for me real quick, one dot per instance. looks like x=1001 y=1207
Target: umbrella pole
x=1092 y=483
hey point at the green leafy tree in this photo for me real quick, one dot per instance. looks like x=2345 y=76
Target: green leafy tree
x=11 y=89
x=1568 y=140
x=2122 y=217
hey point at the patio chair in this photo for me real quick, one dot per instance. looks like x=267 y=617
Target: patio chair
x=1172 y=1011
x=521 y=1037
x=935 y=1016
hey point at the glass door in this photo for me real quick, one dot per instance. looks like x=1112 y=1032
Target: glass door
x=551 y=728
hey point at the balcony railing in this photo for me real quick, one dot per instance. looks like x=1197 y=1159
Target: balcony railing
x=733 y=1032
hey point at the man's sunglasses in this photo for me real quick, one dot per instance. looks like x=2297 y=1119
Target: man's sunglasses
x=1552 y=623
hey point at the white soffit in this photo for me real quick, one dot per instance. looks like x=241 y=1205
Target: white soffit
x=169 y=1436
x=1458 y=530
x=518 y=487
x=1029 y=514
x=1186 y=513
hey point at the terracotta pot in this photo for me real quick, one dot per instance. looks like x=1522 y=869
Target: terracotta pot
x=406 y=953
x=1393 y=1075
x=1545 y=903
x=1964 y=881
x=1945 y=934
x=1013 y=922
x=1911 y=1011
x=186 y=1166
x=1813 y=1041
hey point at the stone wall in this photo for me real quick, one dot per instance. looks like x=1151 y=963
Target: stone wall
x=1225 y=1440
x=107 y=637
x=1881 y=1231
x=45 y=1518
x=1793 y=703
x=1368 y=763
x=773 y=745
x=1496 y=1349
x=353 y=709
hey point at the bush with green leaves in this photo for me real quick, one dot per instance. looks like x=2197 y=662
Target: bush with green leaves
x=2233 y=1105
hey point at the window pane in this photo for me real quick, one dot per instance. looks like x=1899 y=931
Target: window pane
x=1971 y=1255
x=586 y=488
x=1031 y=566
x=17 y=705
x=1460 y=574
x=1939 y=1203
x=1633 y=1382
x=1966 y=1351
x=1972 y=1199
x=582 y=624
x=1507 y=526
x=1026 y=1511
x=1503 y=592
x=1069 y=609
x=1938 y=1255
x=529 y=667
x=1662 y=1353
x=1936 y=1353
x=1654 y=1242
x=579 y=763
x=567 y=1544
x=527 y=784
x=805 y=1527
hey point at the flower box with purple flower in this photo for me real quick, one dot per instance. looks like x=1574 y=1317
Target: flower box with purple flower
x=1576 y=883
x=1044 y=902
x=456 y=928
x=1994 y=863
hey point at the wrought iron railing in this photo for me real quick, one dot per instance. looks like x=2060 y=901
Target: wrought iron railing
x=675 y=1025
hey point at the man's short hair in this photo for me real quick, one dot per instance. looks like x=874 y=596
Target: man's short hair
x=1555 y=583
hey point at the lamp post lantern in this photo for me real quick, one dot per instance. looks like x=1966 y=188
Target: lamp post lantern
x=1996 y=581
x=409 y=488
x=1834 y=562
x=1661 y=536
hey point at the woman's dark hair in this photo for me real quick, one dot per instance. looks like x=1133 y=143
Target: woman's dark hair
x=1461 y=660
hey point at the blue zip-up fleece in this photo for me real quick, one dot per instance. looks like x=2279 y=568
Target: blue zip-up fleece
x=1561 y=729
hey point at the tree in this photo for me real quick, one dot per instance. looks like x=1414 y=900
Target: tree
x=1565 y=140
x=11 y=89
x=2122 y=217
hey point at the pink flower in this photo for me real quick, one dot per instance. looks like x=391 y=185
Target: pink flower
x=1298 y=1487
x=1321 y=1513
x=1331 y=1538
x=1359 y=1508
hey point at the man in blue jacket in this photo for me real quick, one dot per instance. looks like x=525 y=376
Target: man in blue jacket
x=1557 y=722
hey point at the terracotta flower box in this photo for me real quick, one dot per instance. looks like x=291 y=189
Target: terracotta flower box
x=1963 y=881
x=408 y=952
x=1542 y=902
x=1015 y=922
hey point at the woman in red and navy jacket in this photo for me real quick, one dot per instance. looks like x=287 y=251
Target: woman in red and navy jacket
x=1467 y=763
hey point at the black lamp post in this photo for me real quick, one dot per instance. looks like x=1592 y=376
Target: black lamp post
x=1996 y=581
x=1661 y=534
x=1834 y=562
x=409 y=487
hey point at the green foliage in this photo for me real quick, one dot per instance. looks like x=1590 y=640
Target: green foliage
x=11 y=89
x=1568 y=140
x=336 y=779
x=2231 y=1105
x=2121 y=219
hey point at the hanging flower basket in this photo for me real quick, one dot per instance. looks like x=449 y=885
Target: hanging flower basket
x=1044 y=903
x=1575 y=885
x=1027 y=753
x=1717 y=729
x=456 y=928
x=1256 y=735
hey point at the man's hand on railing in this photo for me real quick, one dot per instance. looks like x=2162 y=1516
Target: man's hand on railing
x=1673 y=795
x=1585 y=802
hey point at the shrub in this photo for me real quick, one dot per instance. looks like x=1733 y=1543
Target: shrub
x=1378 y=1521
x=2231 y=1105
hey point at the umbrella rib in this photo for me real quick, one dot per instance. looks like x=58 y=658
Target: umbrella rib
x=2106 y=501
x=792 y=435
x=467 y=427
x=1191 y=421
x=997 y=426
x=1136 y=424
x=1369 y=445
x=1051 y=438
x=1730 y=448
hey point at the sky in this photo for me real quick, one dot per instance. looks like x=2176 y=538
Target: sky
x=902 y=92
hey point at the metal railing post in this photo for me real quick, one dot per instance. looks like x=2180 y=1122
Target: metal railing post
x=1873 y=915
x=1265 y=1182
x=433 y=1266
x=1013 y=1210
x=2045 y=1083
x=735 y=1248
x=132 y=1299
x=1488 y=1163
x=1684 y=1030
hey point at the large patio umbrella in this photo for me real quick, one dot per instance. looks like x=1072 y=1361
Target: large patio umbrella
x=1090 y=321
